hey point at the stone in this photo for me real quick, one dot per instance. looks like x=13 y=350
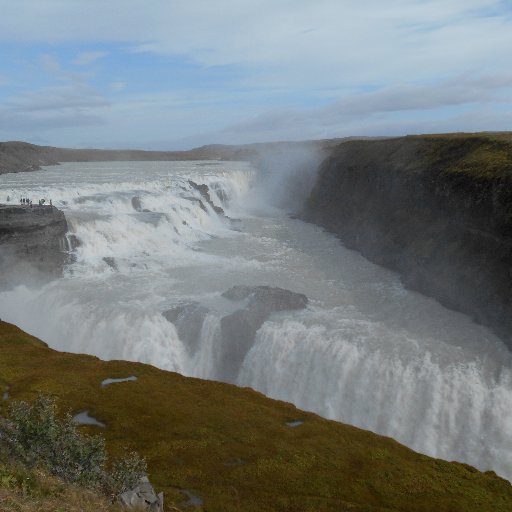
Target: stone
x=142 y=497
x=205 y=193
x=111 y=262
x=34 y=237
x=136 y=204
x=416 y=206
x=188 y=319
x=238 y=329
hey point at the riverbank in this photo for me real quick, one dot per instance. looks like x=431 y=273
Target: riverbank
x=437 y=209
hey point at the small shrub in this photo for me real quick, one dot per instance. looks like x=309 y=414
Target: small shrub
x=35 y=435
x=125 y=473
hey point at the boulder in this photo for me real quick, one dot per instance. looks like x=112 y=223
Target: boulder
x=32 y=239
x=205 y=193
x=188 y=319
x=136 y=204
x=142 y=497
x=238 y=329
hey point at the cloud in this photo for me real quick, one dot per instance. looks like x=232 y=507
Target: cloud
x=50 y=63
x=234 y=70
x=382 y=111
x=69 y=96
x=285 y=42
x=117 y=86
x=86 y=58
x=69 y=101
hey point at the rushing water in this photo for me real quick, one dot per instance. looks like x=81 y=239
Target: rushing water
x=365 y=351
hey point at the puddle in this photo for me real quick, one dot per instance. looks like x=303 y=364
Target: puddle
x=6 y=394
x=193 y=499
x=295 y=423
x=83 y=418
x=109 y=381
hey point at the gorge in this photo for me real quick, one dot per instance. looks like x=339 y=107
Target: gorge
x=152 y=260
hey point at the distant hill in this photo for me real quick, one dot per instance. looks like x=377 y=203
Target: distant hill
x=22 y=156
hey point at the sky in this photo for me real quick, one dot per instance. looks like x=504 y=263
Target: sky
x=175 y=74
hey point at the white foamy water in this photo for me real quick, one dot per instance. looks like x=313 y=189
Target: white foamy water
x=365 y=351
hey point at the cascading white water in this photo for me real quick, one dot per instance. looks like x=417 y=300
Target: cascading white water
x=365 y=351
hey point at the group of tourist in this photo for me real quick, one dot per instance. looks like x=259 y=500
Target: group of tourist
x=27 y=201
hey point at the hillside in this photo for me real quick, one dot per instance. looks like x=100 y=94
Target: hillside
x=237 y=450
x=32 y=490
x=21 y=157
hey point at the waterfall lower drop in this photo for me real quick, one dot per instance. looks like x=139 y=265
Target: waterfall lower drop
x=153 y=258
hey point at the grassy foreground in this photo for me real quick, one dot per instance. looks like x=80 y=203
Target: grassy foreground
x=482 y=156
x=233 y=448
x=31 y=490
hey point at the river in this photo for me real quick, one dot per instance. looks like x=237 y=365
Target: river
x=365 y=351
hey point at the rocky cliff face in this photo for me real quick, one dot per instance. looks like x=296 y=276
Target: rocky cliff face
x=32 y=237
x=437 y=209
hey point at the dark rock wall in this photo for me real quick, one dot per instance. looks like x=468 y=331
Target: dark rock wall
x=413 y=204
x=32 y=237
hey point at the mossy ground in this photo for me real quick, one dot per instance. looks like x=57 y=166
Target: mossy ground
x=33 y=490
x=479 y=155
x=232 y=446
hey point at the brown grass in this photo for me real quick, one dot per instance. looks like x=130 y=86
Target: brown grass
x=24 y=490
x=232 y=447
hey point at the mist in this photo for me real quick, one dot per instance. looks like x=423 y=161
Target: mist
x=286 y=173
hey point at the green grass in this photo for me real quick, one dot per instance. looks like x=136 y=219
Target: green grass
x=34 y=490
x=232 y=447
x=480 y=155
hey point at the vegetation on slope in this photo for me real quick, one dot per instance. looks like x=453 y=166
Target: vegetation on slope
x=479 y=155
x=233 y=447
x=35 y=435
x=34 y=490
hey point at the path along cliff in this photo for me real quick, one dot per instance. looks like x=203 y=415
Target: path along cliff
x=437 y=209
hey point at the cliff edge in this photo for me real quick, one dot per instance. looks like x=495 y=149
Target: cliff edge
x=437 y=209
x=34 y=235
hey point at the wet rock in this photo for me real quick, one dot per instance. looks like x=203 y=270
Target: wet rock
x=136 y=204
x=142 y=497
x=205 y=193
x=239 y=328
x=202 y=206
x=188 y=319
x=33 y=237
x=73 y=242
x=111 y=262
x=267 y=298
x=415 y=205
